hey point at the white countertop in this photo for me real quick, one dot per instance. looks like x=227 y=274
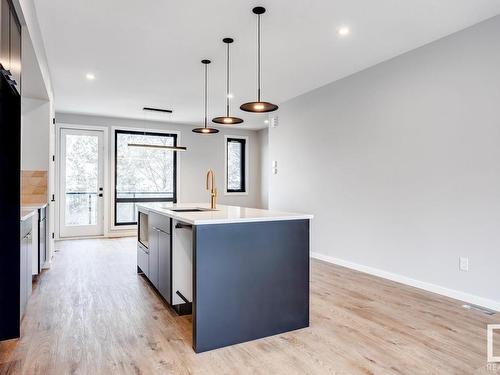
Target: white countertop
x=221 y=215
x=27 y=213
x=33 y=206
x=29 y=210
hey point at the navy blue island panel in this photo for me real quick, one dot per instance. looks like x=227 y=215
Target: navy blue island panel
x=250 y=280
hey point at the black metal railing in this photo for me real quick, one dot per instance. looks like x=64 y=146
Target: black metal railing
x=75 y=200
x=80 y=201
x=129 y=217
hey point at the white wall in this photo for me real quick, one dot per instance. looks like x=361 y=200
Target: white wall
x=400 y=164
x=203 y=152
x=32 y=83
x=35 y=138
x=265 y=167
x=36 y=116
x=35 y=84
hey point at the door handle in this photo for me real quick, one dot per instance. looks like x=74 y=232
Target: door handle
x=183 y=226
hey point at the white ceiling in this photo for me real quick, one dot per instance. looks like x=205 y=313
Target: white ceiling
x=147 y=53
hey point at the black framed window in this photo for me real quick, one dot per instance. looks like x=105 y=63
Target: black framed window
x=235 y=164
x=143 y=174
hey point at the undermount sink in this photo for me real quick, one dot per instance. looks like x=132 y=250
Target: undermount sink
x=190 y=209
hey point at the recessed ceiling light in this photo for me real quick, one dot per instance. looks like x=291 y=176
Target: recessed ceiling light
x=343 y=31
x=266 y=121
x=90 y=76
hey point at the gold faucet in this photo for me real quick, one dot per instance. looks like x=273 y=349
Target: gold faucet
x=212 y=188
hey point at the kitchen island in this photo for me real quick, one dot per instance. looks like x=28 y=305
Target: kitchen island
x=242 y=272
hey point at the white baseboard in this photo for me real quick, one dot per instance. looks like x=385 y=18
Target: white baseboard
x=123 y=233
x=455 y=294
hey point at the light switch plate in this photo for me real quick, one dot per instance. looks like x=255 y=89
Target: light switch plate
x=274 y=122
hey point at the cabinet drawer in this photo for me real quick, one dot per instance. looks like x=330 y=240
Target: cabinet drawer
x=143 y=260
x=160 y=222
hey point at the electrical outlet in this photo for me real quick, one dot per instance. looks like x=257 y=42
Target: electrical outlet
x=464 y=264
x=275 y=170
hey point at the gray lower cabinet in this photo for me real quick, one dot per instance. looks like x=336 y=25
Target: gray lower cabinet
x=155 y=260
x=25 y=265
x=143 y=259
x=159 y=262
x=154 y=243
x=164 y=266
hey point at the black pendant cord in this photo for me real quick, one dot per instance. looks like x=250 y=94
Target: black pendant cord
x=258 y=58
x=205 y=129
x=227 y=83
x=228 y=119
x=206 y=93
x=259 y=106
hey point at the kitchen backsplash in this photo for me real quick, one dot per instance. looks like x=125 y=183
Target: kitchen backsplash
x=33 y=187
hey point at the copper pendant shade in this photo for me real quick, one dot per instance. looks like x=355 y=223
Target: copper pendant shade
x=258 y=106
x=206 y=129
x=227 y=119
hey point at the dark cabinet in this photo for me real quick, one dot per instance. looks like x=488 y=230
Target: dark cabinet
x=10 y=43
x=10 y=202
x=15 y=50
x=159 y=262
x=5 y=34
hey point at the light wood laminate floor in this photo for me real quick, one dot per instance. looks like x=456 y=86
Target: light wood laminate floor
x=92 y=314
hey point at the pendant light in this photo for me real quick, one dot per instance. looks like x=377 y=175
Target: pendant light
x=206 y=129
x=258 y=106
x=162 y=147
x=228 y=120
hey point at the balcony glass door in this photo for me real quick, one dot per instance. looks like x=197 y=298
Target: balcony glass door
x=81 y=183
